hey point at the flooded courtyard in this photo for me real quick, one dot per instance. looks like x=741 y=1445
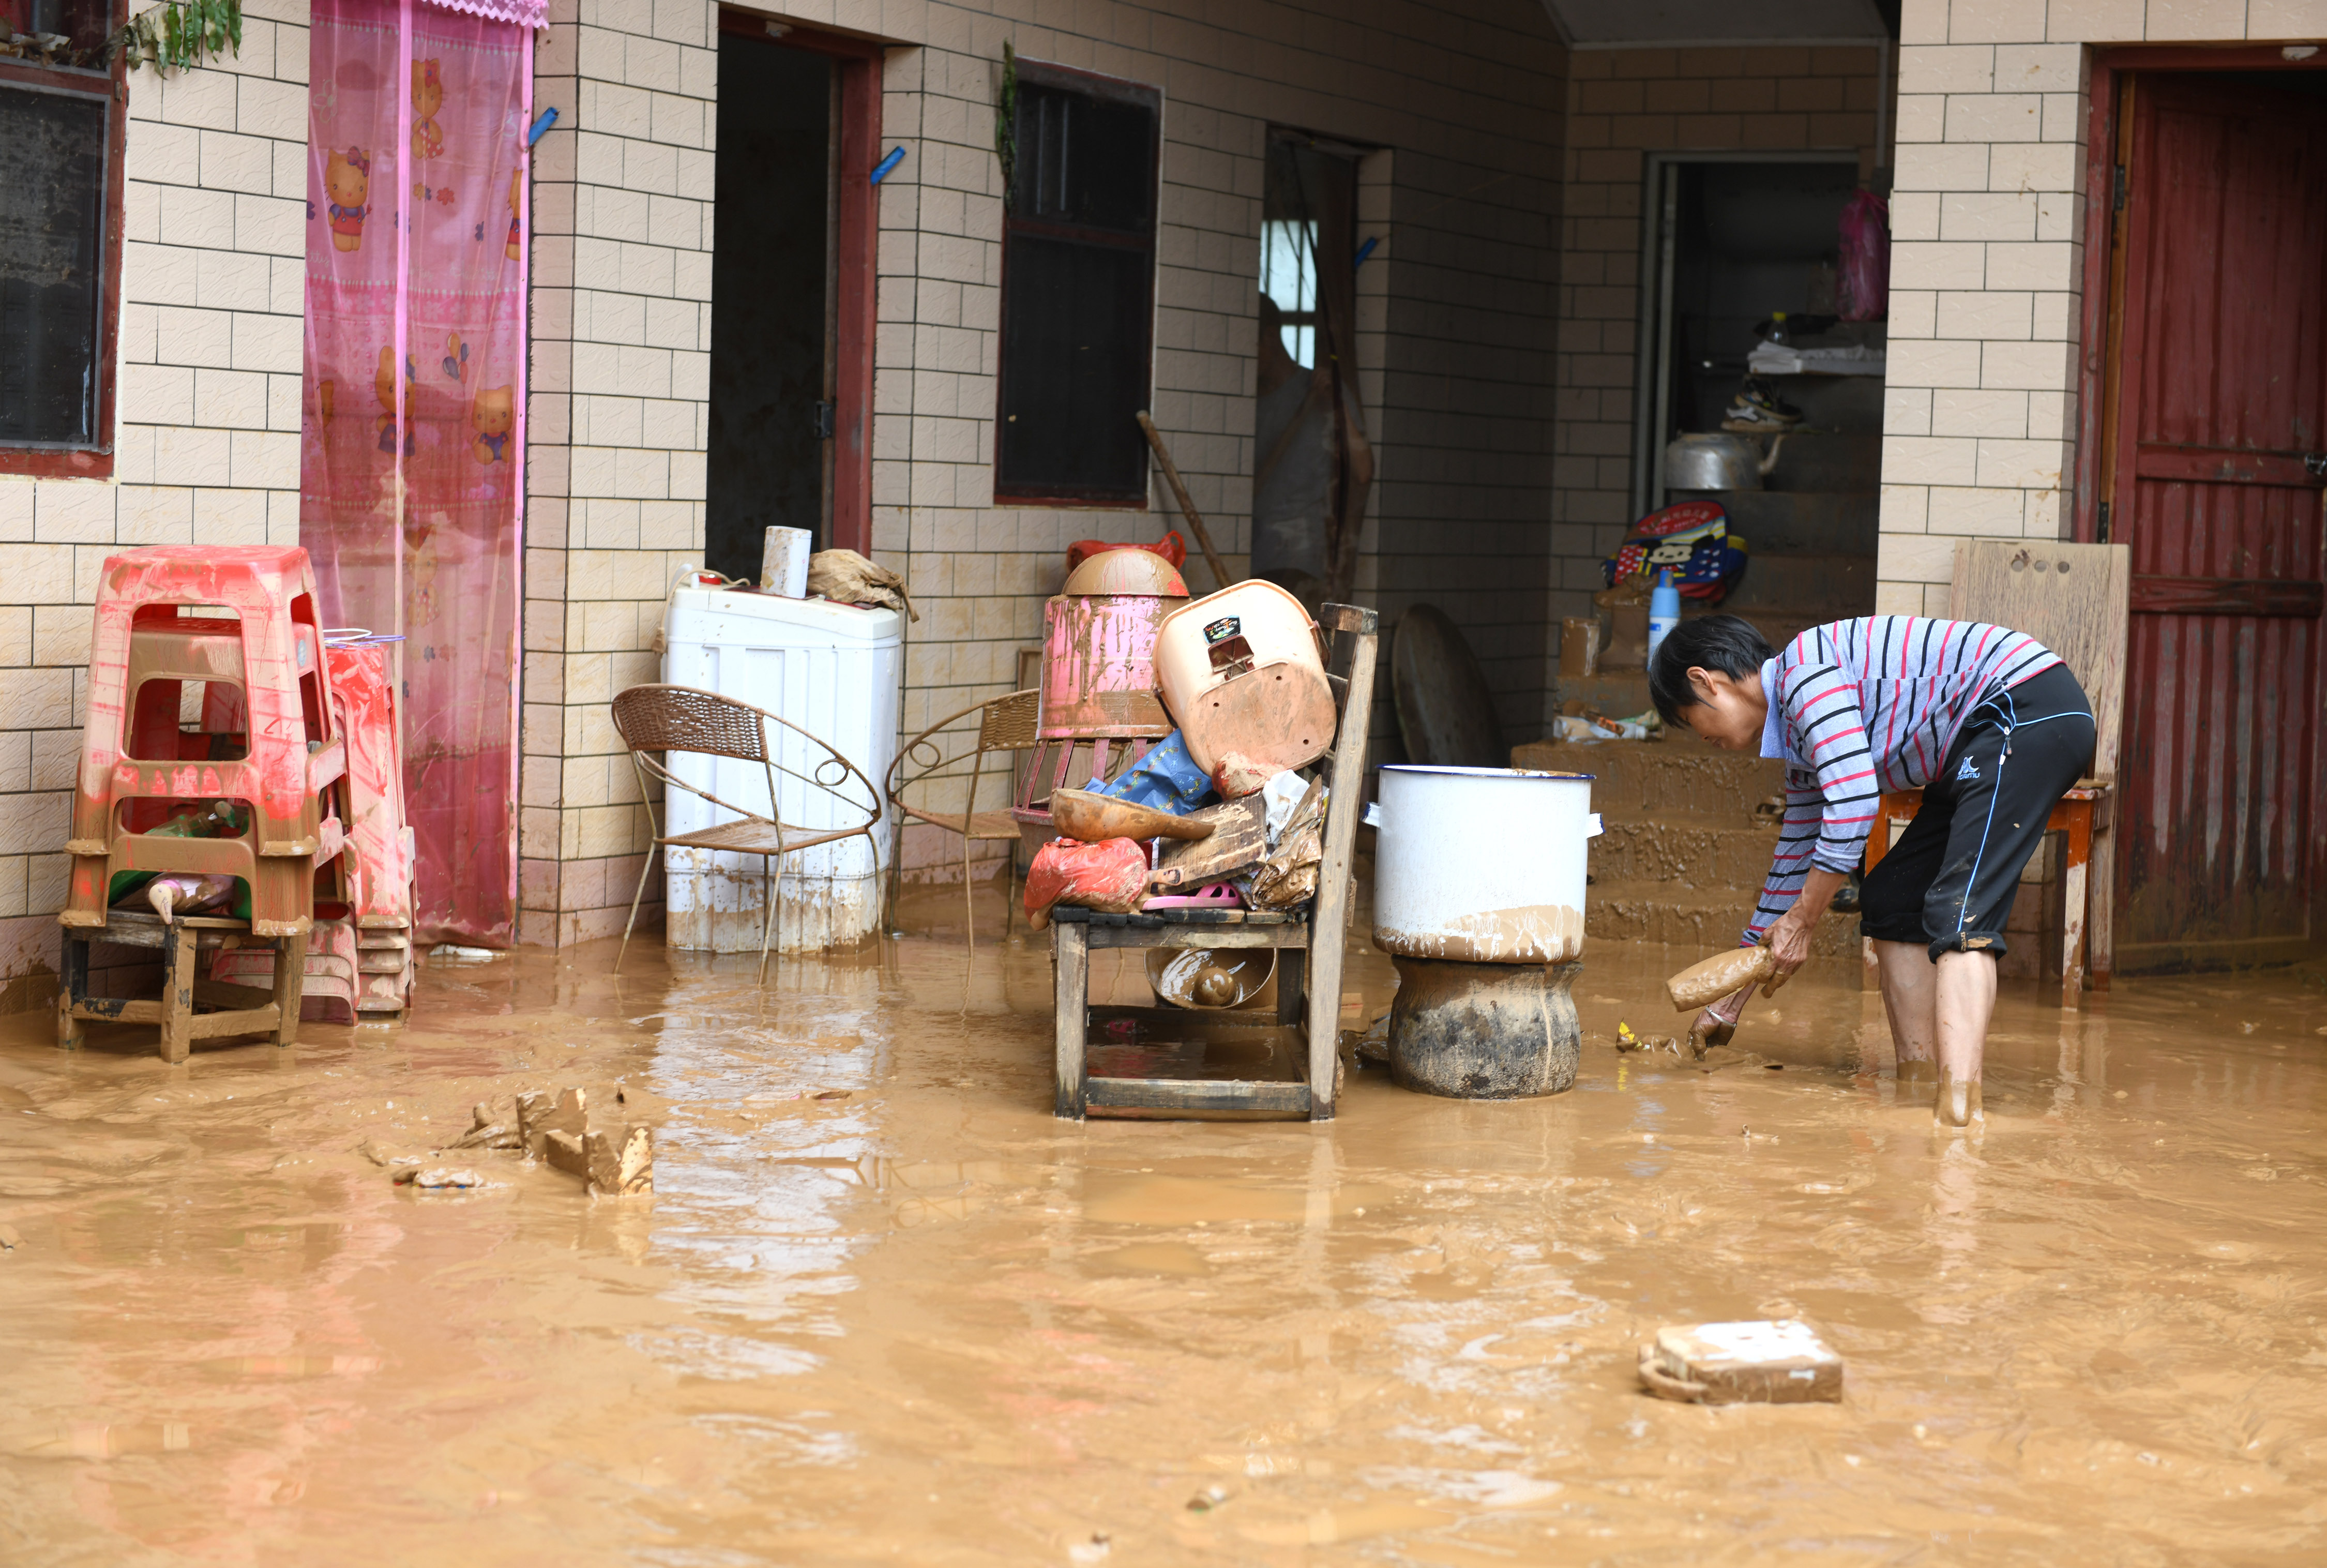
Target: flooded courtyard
x=881 y=1307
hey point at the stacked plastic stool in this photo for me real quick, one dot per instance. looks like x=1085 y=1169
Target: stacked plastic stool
x=240 y=778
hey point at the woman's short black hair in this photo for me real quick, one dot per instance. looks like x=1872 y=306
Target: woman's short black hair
x=1726 y=643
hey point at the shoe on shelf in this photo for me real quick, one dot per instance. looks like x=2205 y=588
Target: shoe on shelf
x=1758 y=408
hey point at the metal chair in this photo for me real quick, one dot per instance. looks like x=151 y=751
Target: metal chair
x=655 y=720
x=926 y=766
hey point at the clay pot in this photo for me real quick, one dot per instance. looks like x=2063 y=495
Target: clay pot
x=1484 y=1031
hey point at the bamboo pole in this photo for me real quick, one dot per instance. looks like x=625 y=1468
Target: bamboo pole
x=1187 y=507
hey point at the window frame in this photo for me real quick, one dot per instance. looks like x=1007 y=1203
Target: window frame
x=1115 y=89
x=93 y=459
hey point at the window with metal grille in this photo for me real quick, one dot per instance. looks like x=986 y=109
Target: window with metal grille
x=1078 y=290
x=59 y=209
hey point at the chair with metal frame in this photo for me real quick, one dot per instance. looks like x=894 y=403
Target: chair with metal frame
x=1005 y=723
x=657 y=720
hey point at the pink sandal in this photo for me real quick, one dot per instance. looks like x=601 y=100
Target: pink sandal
x=1211 y=896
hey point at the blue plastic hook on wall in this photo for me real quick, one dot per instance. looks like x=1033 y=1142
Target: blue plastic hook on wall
x=540 y=127
x=881 y=169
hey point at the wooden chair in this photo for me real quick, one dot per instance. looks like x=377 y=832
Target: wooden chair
x=655 y=720
x=1311 y=943
x=934 y=764
x=2075 y=600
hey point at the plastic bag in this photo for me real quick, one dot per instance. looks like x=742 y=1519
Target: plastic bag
x=1110 y=875
x=1865 y=257
x=1167 y=779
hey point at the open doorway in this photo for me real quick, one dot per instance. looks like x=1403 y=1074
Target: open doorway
x=1311 y=467
x=774 y=318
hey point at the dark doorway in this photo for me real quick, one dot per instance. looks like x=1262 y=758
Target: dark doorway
x=772 y=317
x=2213 y=424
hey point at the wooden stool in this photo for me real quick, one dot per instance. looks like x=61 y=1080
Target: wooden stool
x=248 y=1010
x=2082 y=814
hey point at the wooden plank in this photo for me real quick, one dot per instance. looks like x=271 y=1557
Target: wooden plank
x=242 y=1021
x=72 y=986
x=2160 y=595
x=1071 y=967
x=2074 y=599
x=1329 y=916
x=1239 y=838
x=1198 y=1095
x=178 y=993
x=1196 y=936
x=119 y=1009
x=290 y=986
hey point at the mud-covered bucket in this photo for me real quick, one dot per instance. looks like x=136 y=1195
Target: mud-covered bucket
x=1483 y=866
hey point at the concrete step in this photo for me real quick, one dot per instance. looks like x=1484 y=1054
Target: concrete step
x=1818 y=587
x=1702 y=852
x=1677 y=776
x=1805 y=523
x=1704 y=921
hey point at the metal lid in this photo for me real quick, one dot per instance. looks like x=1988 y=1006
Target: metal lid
x=1484 y=772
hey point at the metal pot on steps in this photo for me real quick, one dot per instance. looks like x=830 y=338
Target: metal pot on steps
x=1716 y=461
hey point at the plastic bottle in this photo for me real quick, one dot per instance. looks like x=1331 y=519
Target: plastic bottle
x=1778 y=333
x=1664 y=610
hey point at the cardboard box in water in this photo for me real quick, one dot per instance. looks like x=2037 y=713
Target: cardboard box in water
x=1781 y=1362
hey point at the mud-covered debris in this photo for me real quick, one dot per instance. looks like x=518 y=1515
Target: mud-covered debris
x=389 y=1159
x=1205 y=1501
x=613 y=1158
x=620 y=1164
x=1628 y=1041
x=1093 y=1549
x=10 y=1238
x=436 y=1178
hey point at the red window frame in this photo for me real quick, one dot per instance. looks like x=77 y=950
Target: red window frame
x=93 y=461
x=857 y=62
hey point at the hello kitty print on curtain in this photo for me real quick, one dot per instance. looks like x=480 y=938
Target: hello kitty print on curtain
x=412 y=471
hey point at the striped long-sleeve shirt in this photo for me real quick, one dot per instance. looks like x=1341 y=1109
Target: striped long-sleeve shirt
x=1858 y=708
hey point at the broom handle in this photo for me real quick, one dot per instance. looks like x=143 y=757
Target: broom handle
x=1187 y=507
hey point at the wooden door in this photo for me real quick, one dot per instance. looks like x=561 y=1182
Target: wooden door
x=2219 y=376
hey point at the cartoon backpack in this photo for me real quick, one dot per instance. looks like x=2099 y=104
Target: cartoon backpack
x=1693 y=540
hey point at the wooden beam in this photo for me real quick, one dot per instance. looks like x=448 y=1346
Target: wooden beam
x=1329 y=920
x=1198 y=1095
x=1071 y=966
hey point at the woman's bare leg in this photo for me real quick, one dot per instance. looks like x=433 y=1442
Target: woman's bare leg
x=1910 y=998
x=1966 y=1002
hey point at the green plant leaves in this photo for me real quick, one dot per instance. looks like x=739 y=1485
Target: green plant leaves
x=178 y=34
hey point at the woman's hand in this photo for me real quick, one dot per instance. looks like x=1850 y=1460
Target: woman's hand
x=1790 y=945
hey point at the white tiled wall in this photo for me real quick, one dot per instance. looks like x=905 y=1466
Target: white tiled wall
x=207 y=424
x=1987 y=262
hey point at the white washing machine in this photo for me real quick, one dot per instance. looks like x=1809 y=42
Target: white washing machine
x=830 y=669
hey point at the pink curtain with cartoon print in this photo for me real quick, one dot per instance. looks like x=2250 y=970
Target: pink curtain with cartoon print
x=412 y=430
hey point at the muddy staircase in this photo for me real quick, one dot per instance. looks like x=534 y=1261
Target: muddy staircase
x=1686 y=843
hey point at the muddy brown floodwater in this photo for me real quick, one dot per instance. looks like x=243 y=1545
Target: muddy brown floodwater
x=920 y=1321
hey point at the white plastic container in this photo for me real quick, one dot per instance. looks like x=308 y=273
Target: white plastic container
x=829 y=669
x=1482 y=865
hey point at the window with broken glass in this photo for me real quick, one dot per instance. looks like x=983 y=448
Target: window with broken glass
x=59 y=240
x=1078 y=290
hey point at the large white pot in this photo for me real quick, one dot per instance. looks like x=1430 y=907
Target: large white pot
x=1484 y=865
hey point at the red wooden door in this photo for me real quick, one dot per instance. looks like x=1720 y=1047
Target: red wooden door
x=2222 y=397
